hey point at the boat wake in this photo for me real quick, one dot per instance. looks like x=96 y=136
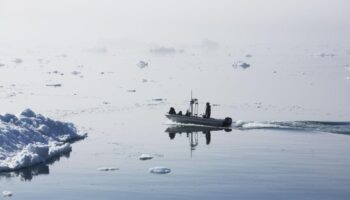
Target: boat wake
x=321 y=126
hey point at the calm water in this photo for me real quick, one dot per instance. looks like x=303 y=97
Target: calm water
x=242 y=163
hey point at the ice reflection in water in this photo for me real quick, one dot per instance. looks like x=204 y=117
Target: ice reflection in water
x=28 y=173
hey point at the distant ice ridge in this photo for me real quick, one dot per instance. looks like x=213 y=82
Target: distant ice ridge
x=30 y=138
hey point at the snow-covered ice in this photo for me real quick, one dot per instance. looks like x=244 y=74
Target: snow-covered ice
x=7 y=193
x=145 y=157
x=30 y=138
x=159 y=170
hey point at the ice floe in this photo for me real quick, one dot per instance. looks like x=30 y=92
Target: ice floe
x=142 y=64
x=159 y=170
x=145 y=157
x=7 y=193
x=241 y=64
x=76 y=73
x=54 y=85
x=106 y=169
x=29 y=138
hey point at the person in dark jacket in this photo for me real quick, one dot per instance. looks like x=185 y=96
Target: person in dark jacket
x=207 y=110
x=172 y=111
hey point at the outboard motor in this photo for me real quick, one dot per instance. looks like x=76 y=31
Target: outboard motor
x=227 y=121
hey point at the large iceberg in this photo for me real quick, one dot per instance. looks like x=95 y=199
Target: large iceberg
x=30 y=138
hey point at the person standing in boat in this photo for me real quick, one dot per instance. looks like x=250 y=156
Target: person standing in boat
x=208 y=110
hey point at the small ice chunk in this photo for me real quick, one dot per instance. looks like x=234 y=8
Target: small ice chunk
x=54 y=85
x=142 y=64
x=7 y=193
x=159 y=170
x=145 y=157
x=2 y=65
x=241 y=64
x=106 y=169
x=248 y=55
x=76 y=72
x=158 y=99
x=131 y=90
x=17 y=60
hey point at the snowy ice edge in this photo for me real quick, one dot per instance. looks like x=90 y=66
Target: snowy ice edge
x=29 y=139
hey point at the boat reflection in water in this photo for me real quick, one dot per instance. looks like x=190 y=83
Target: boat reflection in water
x=28 y=173
x=192 y=132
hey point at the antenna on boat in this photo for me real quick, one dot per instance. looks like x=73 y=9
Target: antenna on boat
x=193 y=111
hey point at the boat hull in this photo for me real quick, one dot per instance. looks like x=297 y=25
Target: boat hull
x=199 y=120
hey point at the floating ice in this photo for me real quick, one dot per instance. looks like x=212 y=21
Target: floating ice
x=17 y=60
x=76 y=72
x=7 y=193
x=56 y=72
x=145 y=157
x=54 y=85
x=2 y=65
x=159 y=170
x=142 y=64
x=107 y=169
x=241 y=64
x=248 y=55
x=30 y=138
x=158 y=99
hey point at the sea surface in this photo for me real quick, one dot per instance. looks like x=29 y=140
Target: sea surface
x=289 y=140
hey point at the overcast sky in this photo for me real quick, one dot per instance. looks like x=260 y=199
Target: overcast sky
x=175 y=21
